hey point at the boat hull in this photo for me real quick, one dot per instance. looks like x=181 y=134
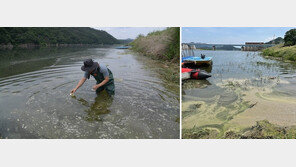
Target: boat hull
x=188 y=73
x=197 y=61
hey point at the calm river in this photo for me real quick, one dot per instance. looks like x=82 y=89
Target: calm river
x=35 y=100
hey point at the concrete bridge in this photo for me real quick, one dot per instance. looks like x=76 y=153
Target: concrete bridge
x=248 y=46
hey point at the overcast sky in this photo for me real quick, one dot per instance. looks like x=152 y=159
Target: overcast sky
x=129 y=32
x=231 y=35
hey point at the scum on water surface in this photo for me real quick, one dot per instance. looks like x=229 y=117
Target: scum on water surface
x=244 y=88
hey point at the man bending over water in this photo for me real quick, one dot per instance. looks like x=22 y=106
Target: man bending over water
x=101 y=73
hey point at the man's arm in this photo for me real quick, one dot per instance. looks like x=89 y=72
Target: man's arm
x=80 y=83
x=102 y=83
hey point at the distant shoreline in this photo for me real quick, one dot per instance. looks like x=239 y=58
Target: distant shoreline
x=34 y=46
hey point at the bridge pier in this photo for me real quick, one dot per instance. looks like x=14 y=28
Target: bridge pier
x=253 y=46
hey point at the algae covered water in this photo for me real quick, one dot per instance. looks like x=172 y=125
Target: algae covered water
x=35 y=101
x=244 y=88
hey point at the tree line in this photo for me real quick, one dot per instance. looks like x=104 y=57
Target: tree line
x=54 y=35
x=290 y=37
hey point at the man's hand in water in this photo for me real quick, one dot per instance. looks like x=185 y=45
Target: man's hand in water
x=73 y=90
x=95 y=87
x=80 y=83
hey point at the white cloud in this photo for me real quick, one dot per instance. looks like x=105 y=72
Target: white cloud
x=129 y=32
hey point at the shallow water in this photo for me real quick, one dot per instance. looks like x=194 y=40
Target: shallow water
x=35 y=100
x=244 y=88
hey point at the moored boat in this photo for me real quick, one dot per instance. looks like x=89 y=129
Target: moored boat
x=198 y=61
x=188 y=73
x=123 y=47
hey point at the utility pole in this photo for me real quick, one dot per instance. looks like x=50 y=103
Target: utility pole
x=273 y=41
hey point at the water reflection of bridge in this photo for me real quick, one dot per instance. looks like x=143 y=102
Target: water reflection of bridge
x=248 y=46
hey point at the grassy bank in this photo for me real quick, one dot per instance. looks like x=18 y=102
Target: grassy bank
x=262 y=130
x=164 y=47
x=281 y=52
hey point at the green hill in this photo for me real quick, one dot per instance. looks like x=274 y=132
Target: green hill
x=278 y=40
x=54 y=35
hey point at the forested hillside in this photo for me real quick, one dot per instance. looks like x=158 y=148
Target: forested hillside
x=54 y=35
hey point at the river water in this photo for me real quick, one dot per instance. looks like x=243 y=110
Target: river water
x=35 y=100
x=244 y=88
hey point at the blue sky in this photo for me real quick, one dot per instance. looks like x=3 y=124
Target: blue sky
x=129 y=32
x=231 y=35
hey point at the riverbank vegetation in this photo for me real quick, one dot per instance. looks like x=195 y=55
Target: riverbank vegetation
x=285 y=51
x=11 y=37
x=281 y=52
x=163 y=46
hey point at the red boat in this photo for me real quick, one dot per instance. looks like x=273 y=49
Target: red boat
x=188 y=73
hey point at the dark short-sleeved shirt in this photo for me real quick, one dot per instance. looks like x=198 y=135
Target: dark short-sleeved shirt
x=102 y=69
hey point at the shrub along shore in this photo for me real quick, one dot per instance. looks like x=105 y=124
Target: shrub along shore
x=164 y=47
x=281 y=52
